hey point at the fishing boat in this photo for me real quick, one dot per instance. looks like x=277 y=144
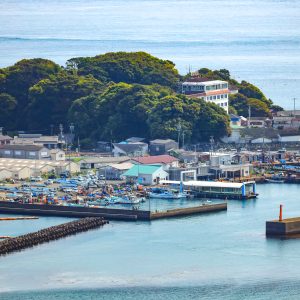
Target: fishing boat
x=168 y=195
x=129 y=199
x=276 y=178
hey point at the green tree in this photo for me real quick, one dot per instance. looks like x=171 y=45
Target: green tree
x=7 y=107
x=50 y=99
x=129 y=67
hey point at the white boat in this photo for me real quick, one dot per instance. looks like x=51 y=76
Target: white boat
x=129 y=200
x=275 y=180
x=278 y=178
x=168 y=195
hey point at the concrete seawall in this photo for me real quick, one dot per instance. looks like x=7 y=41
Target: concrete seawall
x=209 y=208
x=73 y=211
x=283 y=228
x=107 y=213
x=49 y=234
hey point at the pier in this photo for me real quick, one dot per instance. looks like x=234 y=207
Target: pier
x=49 y=234
x=107 y=213
x=189 y=211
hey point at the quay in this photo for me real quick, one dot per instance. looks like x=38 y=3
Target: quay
x=107 y=213
x=49 y=234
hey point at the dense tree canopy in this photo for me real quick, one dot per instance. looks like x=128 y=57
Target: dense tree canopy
x=132 y=67
x=51 y=98
x=117 y=95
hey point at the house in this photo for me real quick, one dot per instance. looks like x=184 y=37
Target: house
x=159 y=146
x=5 y=139
x=235 y=120
x=135 y=139
x=24 y=151
x=5 y=174
x=145 y=174
x=114 y=171
x=130 y=149
x=104 y=147
x=24 y=168
x=216 y=91
x=98 y=162
x=50 y=142
x=166 y=160
x=236 y=135
x=57 y=155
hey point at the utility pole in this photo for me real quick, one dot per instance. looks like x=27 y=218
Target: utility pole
x=249 y=115
x=51 y=129
x=212 y=141
x=179 y=130
x=294 y=99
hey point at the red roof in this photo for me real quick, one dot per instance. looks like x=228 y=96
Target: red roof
x=158 y=159
x=209 y=93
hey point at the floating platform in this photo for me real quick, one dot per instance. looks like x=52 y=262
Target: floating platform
x=283 y=228
x=107 y=213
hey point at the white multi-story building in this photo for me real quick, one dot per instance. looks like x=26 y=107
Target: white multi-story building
x=215 y=91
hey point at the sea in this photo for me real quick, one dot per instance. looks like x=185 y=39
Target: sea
x=223 y=255
x=257 y=40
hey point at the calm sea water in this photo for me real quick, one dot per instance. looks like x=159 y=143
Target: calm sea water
x=257 y=40
x=222 y=255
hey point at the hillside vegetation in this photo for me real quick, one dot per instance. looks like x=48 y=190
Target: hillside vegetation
x=114 y=96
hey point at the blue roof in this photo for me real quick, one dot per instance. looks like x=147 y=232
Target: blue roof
x=142 y=169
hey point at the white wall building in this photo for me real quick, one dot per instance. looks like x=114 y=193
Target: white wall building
x=215 y=91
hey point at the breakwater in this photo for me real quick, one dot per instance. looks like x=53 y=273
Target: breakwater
x=49 y=234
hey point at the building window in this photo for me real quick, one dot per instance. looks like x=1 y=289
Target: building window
x=222 y=96
x=225 y=95
x=215 y=97
x=17 y=152
x=218 y=97
x=32 y=153
x=225 y=104
x=6 y=152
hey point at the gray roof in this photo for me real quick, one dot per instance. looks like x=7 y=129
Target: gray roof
x=130 y=147
x=159 y=141
x=22 y=147
x=104 y=160
x=135 y=139
x=5 y=137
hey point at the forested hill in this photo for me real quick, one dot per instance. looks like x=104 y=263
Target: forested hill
x=114 y=96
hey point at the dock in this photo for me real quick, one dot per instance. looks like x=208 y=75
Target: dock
x=107 y=213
